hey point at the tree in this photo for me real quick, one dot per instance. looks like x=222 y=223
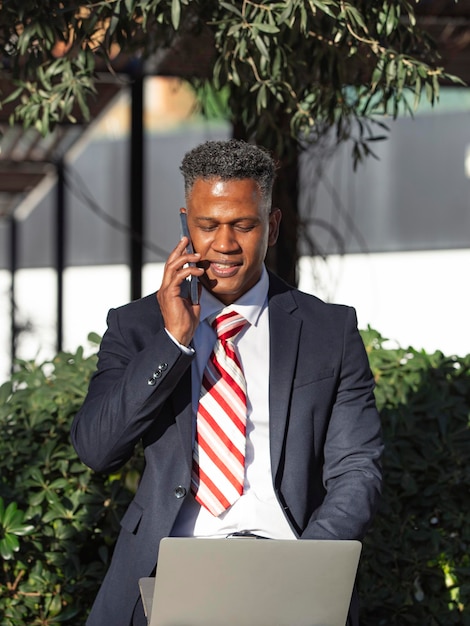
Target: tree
x=288 y=71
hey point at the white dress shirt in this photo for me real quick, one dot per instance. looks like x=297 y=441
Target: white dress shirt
x=257 y=510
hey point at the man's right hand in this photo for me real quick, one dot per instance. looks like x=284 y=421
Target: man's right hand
x=181 y=317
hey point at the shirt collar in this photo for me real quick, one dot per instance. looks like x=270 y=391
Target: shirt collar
x=250 y=305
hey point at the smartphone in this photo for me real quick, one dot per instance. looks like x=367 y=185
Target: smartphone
x=191 y=285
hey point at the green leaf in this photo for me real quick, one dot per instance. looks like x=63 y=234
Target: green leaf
x=113 y=24
x=175 y=13
x=234 y=76
x=355 y=16
x=8 y=546
x=323 y=6
x=376 y=76
x=13 y=95
x=390 y=71
x=231 y=8
x=261 y=47
x=429 y=93
x=21 y=530
x=392 y=20
x=10 y=515
x=5 y=393
x=267 y=28
x=261 y=99
x=235 y=28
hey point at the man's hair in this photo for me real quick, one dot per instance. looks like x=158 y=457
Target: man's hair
x=229 y=160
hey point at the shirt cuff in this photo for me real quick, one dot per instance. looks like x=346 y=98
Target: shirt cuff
x=186 y=349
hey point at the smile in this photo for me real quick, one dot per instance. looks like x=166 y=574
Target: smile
x=224 y=270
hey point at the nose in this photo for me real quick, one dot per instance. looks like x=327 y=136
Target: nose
x=225 y=240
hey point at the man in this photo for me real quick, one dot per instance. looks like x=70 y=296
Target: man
x=309 y=440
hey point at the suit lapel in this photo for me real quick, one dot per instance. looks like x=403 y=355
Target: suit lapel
x=284 y=340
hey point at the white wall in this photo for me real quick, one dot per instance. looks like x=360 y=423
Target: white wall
x=89 y=293
x=4 y=324
x=416 y=299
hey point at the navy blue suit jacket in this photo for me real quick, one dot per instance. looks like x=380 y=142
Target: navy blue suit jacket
x=324 y=429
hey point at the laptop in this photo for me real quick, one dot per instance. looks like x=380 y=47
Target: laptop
x=251 y=582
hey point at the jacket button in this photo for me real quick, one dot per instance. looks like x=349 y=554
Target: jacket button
x=151 y=381
x=180 y=492
x=157 y=374
x=163 y=366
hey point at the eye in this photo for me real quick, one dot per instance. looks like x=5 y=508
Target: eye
x=207 y=228
x=244 y=229
x=244 y=226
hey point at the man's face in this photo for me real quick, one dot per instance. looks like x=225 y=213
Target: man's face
x=231 y=228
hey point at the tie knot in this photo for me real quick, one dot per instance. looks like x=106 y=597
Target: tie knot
x=228 y=325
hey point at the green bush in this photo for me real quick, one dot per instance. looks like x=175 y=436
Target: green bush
x=416 y=561
x=58 y=520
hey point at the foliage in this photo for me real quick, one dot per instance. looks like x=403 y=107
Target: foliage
x=12 y=526
x=416 y=560
x=58 y=520
x=293 y=68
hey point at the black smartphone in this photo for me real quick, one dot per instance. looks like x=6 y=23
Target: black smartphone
x=192 y=291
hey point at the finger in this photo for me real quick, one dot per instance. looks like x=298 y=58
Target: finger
x=181 y=254
x=179 y=249
x=179 y=258
x=181 y=268
x=174 y=276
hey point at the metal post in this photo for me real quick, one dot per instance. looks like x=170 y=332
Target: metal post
x=13 y=262
x=60 y=251
x=136 y=185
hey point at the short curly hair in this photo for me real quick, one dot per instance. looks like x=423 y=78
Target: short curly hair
x=229 y=160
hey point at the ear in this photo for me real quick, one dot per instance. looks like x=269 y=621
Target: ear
x=274 y=222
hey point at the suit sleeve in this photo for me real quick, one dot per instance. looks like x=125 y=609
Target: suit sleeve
x=352 y=449
x=133 y=380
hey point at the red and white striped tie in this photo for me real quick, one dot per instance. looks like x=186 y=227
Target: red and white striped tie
x=219 y=449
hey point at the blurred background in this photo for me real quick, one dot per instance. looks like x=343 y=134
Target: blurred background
x=391 y=238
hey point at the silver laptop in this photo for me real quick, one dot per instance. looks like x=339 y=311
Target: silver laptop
x=251 y=582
